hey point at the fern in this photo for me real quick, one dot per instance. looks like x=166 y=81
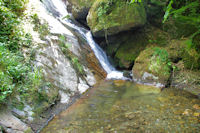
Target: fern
x=188 y=12
x=168 y=11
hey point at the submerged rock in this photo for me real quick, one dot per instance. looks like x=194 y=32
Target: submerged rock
x=110 y=17
x=151 y=66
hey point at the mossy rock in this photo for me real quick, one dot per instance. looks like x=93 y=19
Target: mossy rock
x=176 y=49
x=178 y=29
x=183 y=50
x=110 y=17
x=80 y=8
x=125 y=47
x=152 y=66
x=130 y=49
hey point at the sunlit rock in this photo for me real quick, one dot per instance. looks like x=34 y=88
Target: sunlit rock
x=110 y=17
x=64 y=98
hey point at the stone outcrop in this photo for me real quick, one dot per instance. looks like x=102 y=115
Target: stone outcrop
x=151 y=66
x=111 y=17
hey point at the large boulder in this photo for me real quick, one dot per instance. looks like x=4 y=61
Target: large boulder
x=125 y=47
x=152 y=66
x=110 y=17
x=80 y=8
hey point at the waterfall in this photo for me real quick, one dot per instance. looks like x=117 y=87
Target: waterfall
x=58 y=9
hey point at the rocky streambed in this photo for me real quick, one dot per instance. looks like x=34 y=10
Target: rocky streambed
x=121 y=106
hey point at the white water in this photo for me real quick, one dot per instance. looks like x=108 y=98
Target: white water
x=58 y=9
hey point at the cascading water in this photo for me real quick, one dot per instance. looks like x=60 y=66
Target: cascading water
x=58 y=9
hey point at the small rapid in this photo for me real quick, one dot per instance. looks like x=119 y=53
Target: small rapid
x=58 y=9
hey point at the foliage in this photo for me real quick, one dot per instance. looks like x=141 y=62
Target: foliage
x=104 y=8
x=10 y=33
x=74 y=60
x=17 y=6
x=186 y=10
x=135 y=1
x=77 y=65
x=162 y=59
x=41 y=28
x=16 y=74
x=161 y=53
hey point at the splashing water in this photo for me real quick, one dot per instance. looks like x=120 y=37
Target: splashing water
x=58 y=9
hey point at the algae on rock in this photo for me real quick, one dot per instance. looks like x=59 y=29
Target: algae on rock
x=151 y=66
x=111 y=17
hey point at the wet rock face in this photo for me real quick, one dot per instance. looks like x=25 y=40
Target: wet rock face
x=96 y=66
x=125 y=47
x=59 y=56
x=151 y=66
x=80 y=8
x=110 y=17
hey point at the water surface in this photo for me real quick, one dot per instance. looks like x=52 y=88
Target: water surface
x=121 y=106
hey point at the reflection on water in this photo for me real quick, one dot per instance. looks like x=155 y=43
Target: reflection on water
x=121 y=106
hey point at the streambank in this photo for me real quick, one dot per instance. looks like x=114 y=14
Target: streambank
x=62 y=58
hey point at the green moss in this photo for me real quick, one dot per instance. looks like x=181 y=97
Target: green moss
x=186 y=51
x=130 y=48
x=112 y=16
x=73 y=59
x=155 y=61
x=29 y=130
x=41 y=28
x=191 y=59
